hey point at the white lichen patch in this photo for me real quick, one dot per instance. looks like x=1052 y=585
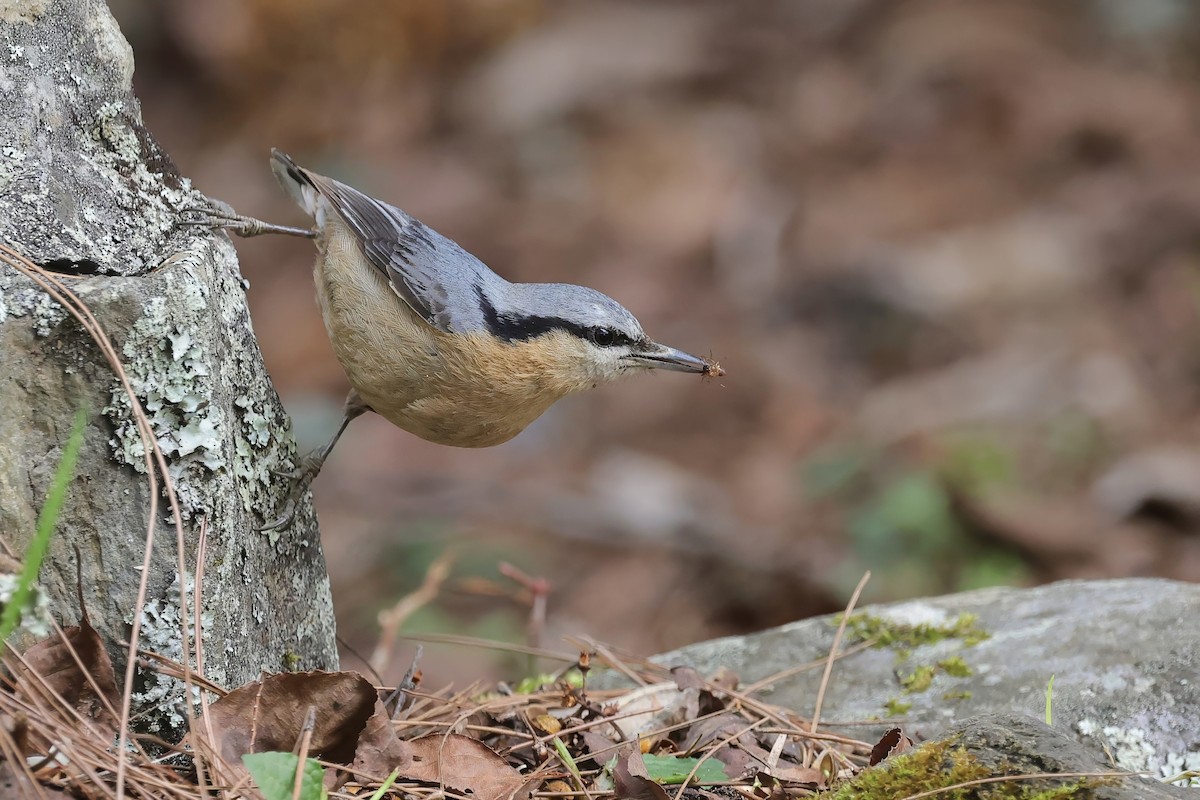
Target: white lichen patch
x=162 y=632
x=47 y=314
x=169 y=370
x=258 y=426
x=35 y=617
x=1133 y=751
x=31 y=301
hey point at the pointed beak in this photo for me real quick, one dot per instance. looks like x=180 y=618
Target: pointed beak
x=658 y=356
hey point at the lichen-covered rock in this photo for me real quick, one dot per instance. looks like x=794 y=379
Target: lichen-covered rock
x=1124 y=655
x=1004 y=745
x=85 y=190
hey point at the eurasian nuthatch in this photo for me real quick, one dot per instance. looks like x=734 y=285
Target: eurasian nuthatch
x=433 y=340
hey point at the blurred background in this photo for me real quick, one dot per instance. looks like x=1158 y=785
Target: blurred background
x=948 y=252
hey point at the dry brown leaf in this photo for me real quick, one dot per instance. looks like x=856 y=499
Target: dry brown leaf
x=17 y=783
x=737 y=762
x=631 y=781
x=893 y=742
x=597 y=746
x=791 y=773
x=740 y=756
x=466 y=765
x=379 y=748
x=52 y=661
x=268 y=715
x=712 y=729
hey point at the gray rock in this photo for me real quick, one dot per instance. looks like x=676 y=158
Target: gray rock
x=1015 y=744
x=85 y=189
x=1124 y=656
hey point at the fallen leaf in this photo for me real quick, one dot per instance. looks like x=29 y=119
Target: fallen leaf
x=599 y=748
x=797 y=774
x=712 y=729
x=672 y=770
x=18 y=783
x=893 y=742
x=736 y=760
x=268 y=715
x=379 y=749
x=466 y=765
x=52 y=662
x=275 y=775
x=631 y=780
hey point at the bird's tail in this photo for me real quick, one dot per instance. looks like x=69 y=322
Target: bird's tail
x=296 y=181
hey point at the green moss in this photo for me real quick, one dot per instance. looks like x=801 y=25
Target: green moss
x=290 y=661
x=931 y=766
x=958 y=694
x=889 y=633
x=918 y=680
x=903 y=638
x=939 y=765
x=955 y=667
x=1063 y=792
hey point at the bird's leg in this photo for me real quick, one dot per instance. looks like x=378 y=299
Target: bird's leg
x=236 y=223
x=302 y=477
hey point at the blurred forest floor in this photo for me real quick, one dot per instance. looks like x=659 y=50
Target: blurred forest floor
x=948 y=252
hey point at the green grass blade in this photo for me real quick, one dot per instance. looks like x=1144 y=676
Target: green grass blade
x=46 y=523
x=564 y=755
x=1050 y=701
x=387 y=784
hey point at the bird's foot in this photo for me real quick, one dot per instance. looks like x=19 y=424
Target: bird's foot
x=299 y=480
x=216 y=219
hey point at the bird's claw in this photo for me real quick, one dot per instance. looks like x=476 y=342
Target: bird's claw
x=212 y=218
x=294 y=475
x=300 y=478
x=215 y=218
x=284 y=520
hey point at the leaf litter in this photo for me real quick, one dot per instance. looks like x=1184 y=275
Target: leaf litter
x=676 y=733
x=60 y=711
x=680 y=734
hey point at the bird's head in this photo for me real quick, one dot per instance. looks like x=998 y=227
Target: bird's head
x=585 y=336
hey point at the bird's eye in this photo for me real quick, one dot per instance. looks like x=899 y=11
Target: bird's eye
x=603 y=337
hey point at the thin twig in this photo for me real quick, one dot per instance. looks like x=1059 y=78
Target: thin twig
x=306 y=733
x=391 y=619
x=833 y=649
x=198 y=627
x=539 y=591
x=787 y=673
x=487 y=644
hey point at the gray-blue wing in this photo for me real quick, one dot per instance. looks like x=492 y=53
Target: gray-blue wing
x=430 y=273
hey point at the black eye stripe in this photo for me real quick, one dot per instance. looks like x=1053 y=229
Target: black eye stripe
x=522 y=329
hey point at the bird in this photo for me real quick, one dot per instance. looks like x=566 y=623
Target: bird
x=432 y=339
